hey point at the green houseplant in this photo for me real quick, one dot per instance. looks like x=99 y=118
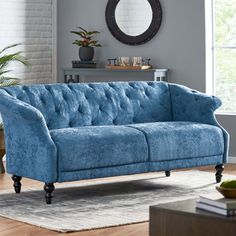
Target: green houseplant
x=5 y=80
x=86 y=43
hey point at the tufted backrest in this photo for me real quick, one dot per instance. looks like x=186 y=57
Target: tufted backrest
x=116 y=103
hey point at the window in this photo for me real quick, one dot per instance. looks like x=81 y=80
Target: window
x=224 y=53
x=30 y=23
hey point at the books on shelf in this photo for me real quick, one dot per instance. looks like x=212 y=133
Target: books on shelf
x=217 y=204
x=84 y=64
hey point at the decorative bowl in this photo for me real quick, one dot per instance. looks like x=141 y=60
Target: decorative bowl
x=227 y=192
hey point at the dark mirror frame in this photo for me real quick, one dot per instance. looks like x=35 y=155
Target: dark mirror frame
x=134 y=40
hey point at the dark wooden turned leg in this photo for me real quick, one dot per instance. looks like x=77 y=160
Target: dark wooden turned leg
x=17 y=183
x=219 y=170
x=49 y=189
x=167 y=172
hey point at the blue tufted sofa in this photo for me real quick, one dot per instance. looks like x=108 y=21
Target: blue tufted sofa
x=66 y=132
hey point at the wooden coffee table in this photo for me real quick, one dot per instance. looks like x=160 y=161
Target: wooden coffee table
x=183 y=219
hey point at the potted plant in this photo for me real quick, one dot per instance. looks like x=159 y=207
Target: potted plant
x=86 y=43
x=5 y=60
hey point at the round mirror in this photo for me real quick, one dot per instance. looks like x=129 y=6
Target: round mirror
x=133 y=17
x=133 y=22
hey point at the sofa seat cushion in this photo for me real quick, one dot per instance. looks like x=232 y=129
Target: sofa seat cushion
x=181 y=140
x=99 y=146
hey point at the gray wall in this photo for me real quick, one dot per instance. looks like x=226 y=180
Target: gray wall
x=179 y=45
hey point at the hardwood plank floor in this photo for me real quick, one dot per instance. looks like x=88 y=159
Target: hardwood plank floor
x=14 y=228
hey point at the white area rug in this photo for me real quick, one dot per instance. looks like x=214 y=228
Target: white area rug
x=88 y=206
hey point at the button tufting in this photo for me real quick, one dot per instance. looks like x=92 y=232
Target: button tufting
x=91 y=86
x=64 y=97
x=107 y=95
x=43 y=100
x=151 y=84
x=113 y=101
x=122 y=106
x=25 y=88
x=70 y=86
x=47 y=88
x=147 y=93
x=111 y=85
x=127 y=95
x=101 y=108
x=132 y=85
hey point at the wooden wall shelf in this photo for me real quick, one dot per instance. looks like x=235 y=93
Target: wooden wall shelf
x=73 y=75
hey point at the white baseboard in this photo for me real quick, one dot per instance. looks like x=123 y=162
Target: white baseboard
x=232 y=160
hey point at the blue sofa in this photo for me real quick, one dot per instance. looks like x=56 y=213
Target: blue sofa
x=66 y=132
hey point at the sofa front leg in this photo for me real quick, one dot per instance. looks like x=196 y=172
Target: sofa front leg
x=49 y=189
x=17 y=183
x=219 y=170
x=167 y=172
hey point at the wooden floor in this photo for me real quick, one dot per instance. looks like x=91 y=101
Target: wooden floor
x=14 y=228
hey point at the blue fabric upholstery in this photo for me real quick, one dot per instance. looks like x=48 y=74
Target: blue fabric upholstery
x=138 y=168
x=74 y=105
x=104 y=172
x=65 y=132
x=99 y=146
x=191 y=105
x=184 y=163
x=185 y=140
x=30 y=150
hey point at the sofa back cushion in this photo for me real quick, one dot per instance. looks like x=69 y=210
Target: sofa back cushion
x=116 y=103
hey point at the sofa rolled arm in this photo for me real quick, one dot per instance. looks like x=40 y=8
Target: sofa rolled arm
x=29 y=146
x=16 y=107
x=191 y=105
